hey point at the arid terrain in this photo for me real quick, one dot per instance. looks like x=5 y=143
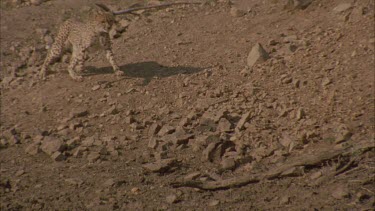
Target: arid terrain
x=224 y=105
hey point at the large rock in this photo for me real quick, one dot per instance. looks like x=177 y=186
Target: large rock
x=51 y=145
x=257 y=53
x=342 y=7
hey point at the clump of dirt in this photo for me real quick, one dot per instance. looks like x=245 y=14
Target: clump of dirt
x=224 y=105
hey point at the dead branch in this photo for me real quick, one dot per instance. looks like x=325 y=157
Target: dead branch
x=304 y=160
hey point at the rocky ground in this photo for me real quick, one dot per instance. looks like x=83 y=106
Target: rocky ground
x=226 y=105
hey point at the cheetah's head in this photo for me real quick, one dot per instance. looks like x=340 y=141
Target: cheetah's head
x=103 y=18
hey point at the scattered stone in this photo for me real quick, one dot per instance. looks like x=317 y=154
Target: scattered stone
x=245 y=117
x=20 y=173
x=343 y=134
x=235 y=12
x=181 y=138
x=285 y=200
x=228 y=164
x=166 y=129
x=16 y=2
x=272 y=42
x=171 y=199
x=7 y=80
x=286 y=79
x=257 y=53
x=71 y=143
x=184 y=122
x=36 y=2
x=340 y=192
x=93 y=156
x=79 y=151
x=209 y=151
x=160 y=166
x=51 y=145
x=192 y=176
x=316 y=175
x=224 y=125
x=78 y=112
x=326 y=81
x=32 y=149
x=111 y=111
x=361 y=197
x=342 y=7
x=160 y=155
x=298 y=4
x=123 y=24
x=292 y=48
x=114 y=33
x=58 y=156
x=109 y=183
x=285 y=141
x=294 y=171
x=3 y=143
x=154 y=129
x=129 y=120
x=135 y=190
x=61 y=127
x=88 y=142
x=300 y=114
x=213 y=203
x=103 y=151
x=96 y=87
x=153 y=143
x=73 y=181
x=14 y=139
x=245 y=71
x=206 y=103
x=136 y=126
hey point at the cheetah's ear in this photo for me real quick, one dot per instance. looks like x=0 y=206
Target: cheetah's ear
x=103 y=7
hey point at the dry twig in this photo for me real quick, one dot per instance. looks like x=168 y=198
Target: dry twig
x=305 y=160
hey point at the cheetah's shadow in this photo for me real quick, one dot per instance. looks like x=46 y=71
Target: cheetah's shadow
x=146 y=70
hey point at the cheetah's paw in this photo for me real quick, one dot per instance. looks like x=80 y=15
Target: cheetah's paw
x=78 y=78
x=119 y=73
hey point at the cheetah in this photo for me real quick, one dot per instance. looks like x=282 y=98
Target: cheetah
x=81 y=35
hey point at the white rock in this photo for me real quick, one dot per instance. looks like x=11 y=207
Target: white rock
x=257 y=53
x=342 y=7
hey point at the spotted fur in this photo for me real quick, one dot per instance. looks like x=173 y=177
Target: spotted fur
x=81 y=35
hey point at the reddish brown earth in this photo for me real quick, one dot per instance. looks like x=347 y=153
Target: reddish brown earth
x=96 y=144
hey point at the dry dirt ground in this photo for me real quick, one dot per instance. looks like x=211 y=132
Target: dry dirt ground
x=192 y=125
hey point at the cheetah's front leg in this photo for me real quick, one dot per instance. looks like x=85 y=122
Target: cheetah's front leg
x=106 y=43
x=112 y=61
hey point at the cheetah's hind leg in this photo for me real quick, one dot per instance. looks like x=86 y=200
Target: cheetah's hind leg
x=53 y=54
x=76 y=62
